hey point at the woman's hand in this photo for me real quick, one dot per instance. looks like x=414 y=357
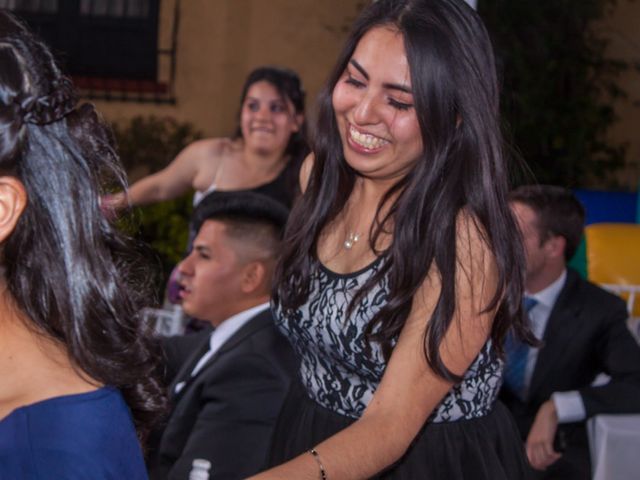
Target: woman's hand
x=112 y=204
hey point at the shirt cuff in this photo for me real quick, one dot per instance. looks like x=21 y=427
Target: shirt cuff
x=569 y=406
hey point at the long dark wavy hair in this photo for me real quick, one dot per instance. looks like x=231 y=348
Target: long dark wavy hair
x=455 y=95
x=288 y=84
x=74 y=276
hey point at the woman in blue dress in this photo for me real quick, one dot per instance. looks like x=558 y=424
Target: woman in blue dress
x=78 y=388
x=402 y=269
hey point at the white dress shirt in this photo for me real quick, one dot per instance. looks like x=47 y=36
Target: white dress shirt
x=569 y=405
x=221 y=334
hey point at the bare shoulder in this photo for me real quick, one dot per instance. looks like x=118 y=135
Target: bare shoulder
x=203 y=157
x=474 y=260
x=208 y=148
x=477 y=271
x=471 y=236
x=305 y=171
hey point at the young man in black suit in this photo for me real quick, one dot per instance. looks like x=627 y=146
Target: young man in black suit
x=583 y=330
x=230 y=382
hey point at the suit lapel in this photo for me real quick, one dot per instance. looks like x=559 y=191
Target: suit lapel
x=256 y=323
x=184 y=374
x=559 y=330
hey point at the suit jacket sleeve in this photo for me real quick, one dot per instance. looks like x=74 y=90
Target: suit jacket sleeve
x=619 y=355
x=235 y=435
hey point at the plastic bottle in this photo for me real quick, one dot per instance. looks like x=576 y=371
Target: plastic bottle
x=200 y=469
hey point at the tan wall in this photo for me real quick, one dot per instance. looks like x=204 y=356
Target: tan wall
x=622 y=29
x=220 y=41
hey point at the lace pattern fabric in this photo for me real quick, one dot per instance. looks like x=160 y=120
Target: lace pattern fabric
x=338 y=369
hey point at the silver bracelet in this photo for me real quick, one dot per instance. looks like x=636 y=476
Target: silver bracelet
x=323 y=474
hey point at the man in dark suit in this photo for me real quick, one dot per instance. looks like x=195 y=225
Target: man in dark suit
x=583 y=329
x=229 y=383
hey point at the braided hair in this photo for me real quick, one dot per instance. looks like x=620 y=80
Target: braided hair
x=67 y=268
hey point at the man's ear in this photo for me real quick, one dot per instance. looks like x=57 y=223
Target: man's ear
x=13 y=200
x=253 y=276
x=555 y=246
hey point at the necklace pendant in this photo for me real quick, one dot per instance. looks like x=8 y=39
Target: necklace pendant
x=351 y=240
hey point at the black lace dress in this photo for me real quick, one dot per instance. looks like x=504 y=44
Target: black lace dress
x=469 y=436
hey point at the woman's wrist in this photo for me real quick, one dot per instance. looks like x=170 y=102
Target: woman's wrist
x=316 y=456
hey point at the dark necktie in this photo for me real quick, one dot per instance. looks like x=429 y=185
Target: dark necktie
x=517 y=353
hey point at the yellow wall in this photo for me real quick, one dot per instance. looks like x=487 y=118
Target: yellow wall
x=220 y=41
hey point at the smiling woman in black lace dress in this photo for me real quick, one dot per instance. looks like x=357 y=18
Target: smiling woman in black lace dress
x=403 y=267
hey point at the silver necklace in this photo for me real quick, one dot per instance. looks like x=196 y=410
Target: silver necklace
x=351 y=240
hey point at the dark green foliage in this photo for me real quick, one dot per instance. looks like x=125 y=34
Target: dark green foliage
x=558 y=87
x=165 y=226
x=149 y=144
x=152 y=142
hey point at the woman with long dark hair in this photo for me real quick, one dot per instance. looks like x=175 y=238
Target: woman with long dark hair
x=264 y=154
x=403 y=267
x=78 y=388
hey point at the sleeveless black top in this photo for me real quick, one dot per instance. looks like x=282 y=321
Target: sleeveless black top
x=282 y=188
x=340 y=373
